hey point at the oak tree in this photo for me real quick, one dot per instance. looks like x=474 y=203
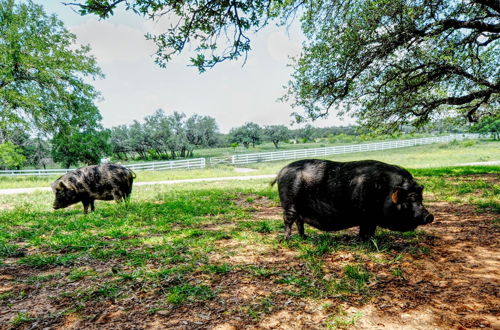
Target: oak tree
x=44 y=74
x=386 y=62
x=276 y=134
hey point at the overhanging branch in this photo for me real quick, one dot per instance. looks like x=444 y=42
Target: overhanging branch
x=101 y=9
x=492 y=4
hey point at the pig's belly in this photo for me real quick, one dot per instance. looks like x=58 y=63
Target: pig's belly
x=328 y=218
x=329 y=223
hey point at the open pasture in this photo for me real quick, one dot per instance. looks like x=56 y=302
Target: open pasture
x=211 y=255
x=434 y=155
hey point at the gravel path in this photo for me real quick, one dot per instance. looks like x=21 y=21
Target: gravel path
x=493 y=162
x=227 y=178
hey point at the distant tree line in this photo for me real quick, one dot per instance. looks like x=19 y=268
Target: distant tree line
x=163 y=136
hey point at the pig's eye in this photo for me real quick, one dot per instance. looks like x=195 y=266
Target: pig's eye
x=414 y=197
x=405 y=205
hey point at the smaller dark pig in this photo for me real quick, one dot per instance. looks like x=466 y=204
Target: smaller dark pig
x=338 y=195
x=86 y=184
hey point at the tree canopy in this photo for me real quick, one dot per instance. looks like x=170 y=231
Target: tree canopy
x=88 y=146
x=43 y=73
x=385 y=62
x=488 y=125
x=10 y=156
x=164 y=136
x=393 y=62
x=276 y=134
x=249 y=133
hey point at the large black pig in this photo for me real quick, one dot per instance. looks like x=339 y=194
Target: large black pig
x=338 y=195
x=86 y=184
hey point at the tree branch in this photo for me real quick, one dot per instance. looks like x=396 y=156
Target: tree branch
x=493 y=4
x=473 y=24
x=99 y=9
x=460 y=100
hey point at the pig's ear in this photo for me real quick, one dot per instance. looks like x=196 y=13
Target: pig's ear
x=60 y=186
x=397 y=195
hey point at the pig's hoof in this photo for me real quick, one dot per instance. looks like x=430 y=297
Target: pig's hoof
x=284 y=239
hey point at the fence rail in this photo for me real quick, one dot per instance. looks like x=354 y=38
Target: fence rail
x=154 y=166
x=39 y=172
x=262 y=156
x=319 y=152
x=169 y=165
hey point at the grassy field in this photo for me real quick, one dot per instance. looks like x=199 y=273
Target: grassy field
x=435 y=155
x=201 y=255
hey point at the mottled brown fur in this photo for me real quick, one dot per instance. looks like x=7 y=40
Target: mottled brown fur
x=86 y=184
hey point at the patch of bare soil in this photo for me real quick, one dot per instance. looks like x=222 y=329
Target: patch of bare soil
x=488 y=177
x=453 y=284
x=260 y=207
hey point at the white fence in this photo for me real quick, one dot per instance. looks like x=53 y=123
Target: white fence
x=154 y=166
x=319 y=152
x=263 y=156
x=35 y=172
x=168 y=165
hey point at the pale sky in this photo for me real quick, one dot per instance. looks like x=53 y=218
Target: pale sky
x=233 y=94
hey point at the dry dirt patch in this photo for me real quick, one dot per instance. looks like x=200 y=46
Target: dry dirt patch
x=456 y=285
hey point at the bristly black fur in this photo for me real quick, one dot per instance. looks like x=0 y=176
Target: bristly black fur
x=338 y=195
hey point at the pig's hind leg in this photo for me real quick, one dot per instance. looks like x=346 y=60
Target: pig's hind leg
x=290 y=216
x=117 y=196
x=300 y=226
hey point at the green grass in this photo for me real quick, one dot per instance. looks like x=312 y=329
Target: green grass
x=20 y=318
x=355 y=279
x=179 y=294
x=454 y=170
x=342 y=320
x=261 y=307
x=176 y=244
x=482 y=193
